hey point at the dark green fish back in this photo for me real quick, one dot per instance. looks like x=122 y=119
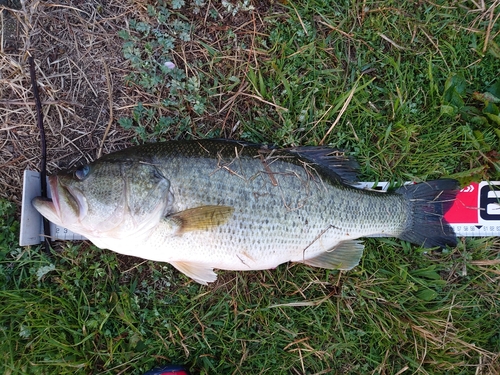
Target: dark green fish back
x=328 y=162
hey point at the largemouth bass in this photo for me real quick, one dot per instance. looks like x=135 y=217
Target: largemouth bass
x=218 y=204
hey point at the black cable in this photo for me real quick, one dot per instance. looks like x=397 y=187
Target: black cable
x=43 y=146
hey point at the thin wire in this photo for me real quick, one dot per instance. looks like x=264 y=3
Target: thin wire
x=43 y=146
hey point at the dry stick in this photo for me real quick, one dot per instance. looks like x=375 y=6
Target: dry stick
x=110 y=99
x=43 y=146
x=490 y=25
x=264 y=101
x=45 y=102
x=342 y=110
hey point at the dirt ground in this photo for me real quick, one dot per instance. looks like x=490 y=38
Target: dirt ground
x=77 y=55
x=80 y=73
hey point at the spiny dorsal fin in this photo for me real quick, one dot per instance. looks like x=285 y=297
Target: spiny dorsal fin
x=344 y=256
x=201 y=218
x=199 y=273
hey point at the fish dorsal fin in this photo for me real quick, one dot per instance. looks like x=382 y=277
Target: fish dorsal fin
x=344 y=256
x=199 y=273
x=332 y=161
x=201 y=218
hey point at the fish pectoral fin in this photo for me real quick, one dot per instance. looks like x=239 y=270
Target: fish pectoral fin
x=201 y=218
x=199 y=273
x=344 y=256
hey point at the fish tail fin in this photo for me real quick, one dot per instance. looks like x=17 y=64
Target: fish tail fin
x=428 y=202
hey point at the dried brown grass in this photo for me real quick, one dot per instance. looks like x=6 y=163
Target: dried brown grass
x=81 y=76
x=71 y=48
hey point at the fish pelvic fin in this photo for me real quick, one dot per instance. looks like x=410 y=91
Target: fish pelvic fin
x=200 y=218
x=345 y=256
x=202 y=274
x=428 y=202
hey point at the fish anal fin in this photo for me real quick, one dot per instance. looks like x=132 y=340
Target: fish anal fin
x=201 y=218
x=345 y=256
x=202 y=274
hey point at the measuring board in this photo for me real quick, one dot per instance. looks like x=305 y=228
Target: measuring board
x=475 y=213
x=31 y=227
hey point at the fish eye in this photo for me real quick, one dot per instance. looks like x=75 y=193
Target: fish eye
x=82 y=172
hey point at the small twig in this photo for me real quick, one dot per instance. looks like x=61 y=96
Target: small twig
x=335 y=29
x=435 y=46
x=490 y=25
x=347 y=35
x=230 y=101
x=110 y=100
x=45 y=102
x=391 y=41
x=43 y=146
x=264 y=101
x=342 y=110
x=300 y=20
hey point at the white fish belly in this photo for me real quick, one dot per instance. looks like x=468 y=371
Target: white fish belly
x=255 y=244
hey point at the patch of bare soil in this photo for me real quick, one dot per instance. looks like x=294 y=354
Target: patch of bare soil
x=81 y=76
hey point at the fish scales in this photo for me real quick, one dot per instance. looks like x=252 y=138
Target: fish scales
x=284 y=211
x=232 y=205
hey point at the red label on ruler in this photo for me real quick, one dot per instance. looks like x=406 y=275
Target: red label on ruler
x=476 y=211
x=466 y=206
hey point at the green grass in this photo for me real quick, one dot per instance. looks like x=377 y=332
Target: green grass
x=416 y=69
x=95 y=312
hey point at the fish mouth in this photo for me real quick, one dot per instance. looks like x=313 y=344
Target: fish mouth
x=49 y=207
x=65 y=202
